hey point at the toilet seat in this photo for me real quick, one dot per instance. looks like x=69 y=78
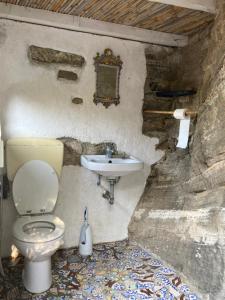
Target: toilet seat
x=38 y=229
x=35 y=188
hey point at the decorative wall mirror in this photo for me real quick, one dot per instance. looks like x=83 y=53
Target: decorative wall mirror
x=107 y=68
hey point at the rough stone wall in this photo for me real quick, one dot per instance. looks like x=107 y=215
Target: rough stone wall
x=73 y=149
x=181 y=215
x=162 y=65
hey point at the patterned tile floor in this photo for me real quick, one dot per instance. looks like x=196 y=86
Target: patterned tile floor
x=115 y=271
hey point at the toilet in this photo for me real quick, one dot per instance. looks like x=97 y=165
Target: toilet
x=33 y=168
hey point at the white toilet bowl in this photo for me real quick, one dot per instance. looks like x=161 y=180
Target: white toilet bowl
x=38 y=238
x=34 y=167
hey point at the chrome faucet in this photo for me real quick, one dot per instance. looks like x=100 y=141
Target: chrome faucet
x=109 y=151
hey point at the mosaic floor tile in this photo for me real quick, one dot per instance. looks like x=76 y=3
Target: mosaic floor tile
x=115 y=271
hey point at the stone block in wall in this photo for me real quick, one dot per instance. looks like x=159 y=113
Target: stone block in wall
x=161 y=73
x=161 y=70
x=77 y=100
x=50 y=56
x=73 y=149
x=67 y=75
x=155 y=103
x=154 y=125
x=100 y=148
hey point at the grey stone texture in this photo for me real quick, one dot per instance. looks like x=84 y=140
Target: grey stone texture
x=162 y=72
x=67 y=75
x=73 y=149
x=50 y=56
x=181 y=215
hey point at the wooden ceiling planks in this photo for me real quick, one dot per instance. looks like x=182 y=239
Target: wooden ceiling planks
x=155 y=19
x=138 y=13
x=181 y=22
x=193 y=23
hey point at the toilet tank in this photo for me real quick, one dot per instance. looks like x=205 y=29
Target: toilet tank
x=22 y=150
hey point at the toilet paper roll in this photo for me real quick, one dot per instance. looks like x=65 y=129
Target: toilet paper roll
x=179 y=114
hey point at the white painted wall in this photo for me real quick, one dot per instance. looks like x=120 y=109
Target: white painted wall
x=35 y=104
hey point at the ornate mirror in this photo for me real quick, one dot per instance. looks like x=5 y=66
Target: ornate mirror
x=107 y=68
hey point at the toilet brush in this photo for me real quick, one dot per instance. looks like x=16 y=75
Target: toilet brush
x=85 y=242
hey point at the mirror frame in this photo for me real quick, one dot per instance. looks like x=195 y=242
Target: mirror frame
x=107 y=59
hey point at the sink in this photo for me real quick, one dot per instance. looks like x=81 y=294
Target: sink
x=111 y=167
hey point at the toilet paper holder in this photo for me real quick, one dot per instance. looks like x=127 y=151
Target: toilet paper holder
x=184 y=116
x=164 y=112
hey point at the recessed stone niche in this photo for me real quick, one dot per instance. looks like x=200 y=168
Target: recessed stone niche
x=51 y=56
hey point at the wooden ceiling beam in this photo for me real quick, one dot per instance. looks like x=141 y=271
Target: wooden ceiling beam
x=202 y=5
x=80 y=24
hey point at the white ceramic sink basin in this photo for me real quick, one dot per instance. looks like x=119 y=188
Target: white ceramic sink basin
x=111 y=167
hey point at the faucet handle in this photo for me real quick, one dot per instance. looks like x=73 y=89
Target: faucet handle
x=109 y=150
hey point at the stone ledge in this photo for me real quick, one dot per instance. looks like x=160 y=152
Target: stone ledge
x=73 y=149
x=51 y=56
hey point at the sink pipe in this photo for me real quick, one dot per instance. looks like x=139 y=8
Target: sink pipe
x=109 y=194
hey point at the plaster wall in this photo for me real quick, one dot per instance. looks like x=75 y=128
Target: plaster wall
x=35 y=104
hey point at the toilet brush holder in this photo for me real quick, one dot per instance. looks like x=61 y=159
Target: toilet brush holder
x=85 y=242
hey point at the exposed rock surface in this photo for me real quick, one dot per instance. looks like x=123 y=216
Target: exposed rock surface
x=50 y=56
x=68 y=75
x=73 y=149
x=162 y=73
x=181 y=216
